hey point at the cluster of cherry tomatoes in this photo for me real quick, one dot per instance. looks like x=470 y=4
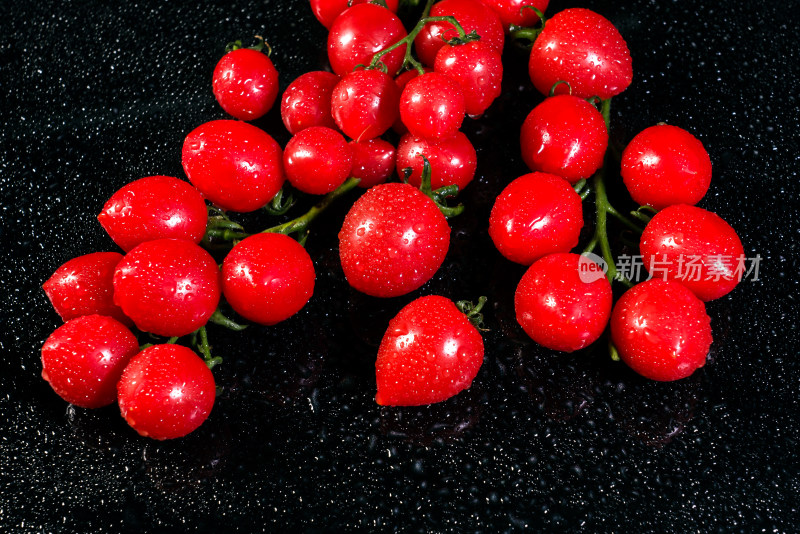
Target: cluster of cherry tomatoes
x=421 y=83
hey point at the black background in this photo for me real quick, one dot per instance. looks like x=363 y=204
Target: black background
x=97 y=94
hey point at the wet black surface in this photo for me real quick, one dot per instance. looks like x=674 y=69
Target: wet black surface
x=98 y=94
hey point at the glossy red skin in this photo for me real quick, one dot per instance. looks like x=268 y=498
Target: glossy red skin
x=661 y=330
x=307 y=101
x=686 y=231
x=392 y=241
x=401 y=80
x=472 y=15
x=362 y=31
x=234 y=164
x=511 y=12
x=317 y=160
x=453 y=160
x=245 y=83
x=432 y=105
x=564 y=135
x=364 y=104
x=373 y=161
x=535 y=215
x=557 y=309
x=84 y=358
x=154 y=207
x=477 y=68
x=169 y=287
x=166 y=392
x=665 y=165
x=583 y=48
x=267 y=278
x=83 y=286
x=326 y=11
x=430 y=352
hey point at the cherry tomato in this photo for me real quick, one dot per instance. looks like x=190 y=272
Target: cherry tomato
x=432 y=106
x=564 y=135
x=430 y=352
x=83 y=286
x=326 y=11
x=515 y=11
x=665 y=165
x=84 y=358
x=234 y=164
x=558 y=307
x=661 y=330
x=477 y=68
x=362 y=31
x=364 y=104
x=267 y=278
x=472 y=15
x=307 y=101
x=401 y=80
x=317 y=160
x=696 y=247
x=166 y=392
x=373 y=161
x=245 y=83
x=392 y=241
x=583 y=48
x=169 y=287
x=453 y=160
x=535 y=215
x=154 y=207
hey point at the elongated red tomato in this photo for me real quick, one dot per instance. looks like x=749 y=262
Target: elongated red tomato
x=307 y=101
x=245 y=83
x=477 y=68
x=432 y=105
x=453 y=160
x=326 y=11
x=362 y=31
x=317 y=160
x=364 y=104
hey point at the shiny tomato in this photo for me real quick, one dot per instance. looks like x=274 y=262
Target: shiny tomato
x=401 y=80
x=373 y=161
x=245 y=83
x=432 y=105
x=317 y=160
x=362 y=31
x=307 y=101
x=326 y=11
x=515 y=12
x=453 y=160
x=477 y=68
x=364 y=104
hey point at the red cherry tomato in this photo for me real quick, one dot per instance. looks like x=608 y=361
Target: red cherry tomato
x=430 y=352
x=245 y=84
x=317 y=160
x=364 y=104
x=432 y=106
x=83 y=286
x=169 y=287
x=84 y=358
x=564 y=135
x=362 y=31
x=535 y=215
x=666 y=165
x=453 y=160
x=695 y=247
x=267 y=278
x=401 y=80
x=234 y=164
x=515 y=12
x=472 y=15
x=477 y=68
x=307 y=101
x=661 y=330
x=154 y=207
x=166 y=392
x=373 y=161
x=392 y=241
x=326 y=11
x=559 y=307
x=583 y=48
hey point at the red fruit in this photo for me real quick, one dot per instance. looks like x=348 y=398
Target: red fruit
x=168 y=287
x=84 y=358
x=373 y=161
x=535 y=215
x=155 y=207
x=83 y=286
x=564 y=135
x=362 y=31
x=234 y=164
x=560 y=307
x=432 y=106
x=245 y=84
x=267 y=278
x=401 y=80
x=666 y=165
x=453 y=160
x=364 y=104
x=166 y=392
x=307 y=101
x=515 y=12
x=661 y=330
x=582 y=48
x=695 y=247
x=430 y=352
x=477 y=68
x=317 y=160
x=392 y=241
x=326 y=11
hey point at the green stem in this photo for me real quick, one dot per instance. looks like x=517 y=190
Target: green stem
x=218 y=318
x=205 y=349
